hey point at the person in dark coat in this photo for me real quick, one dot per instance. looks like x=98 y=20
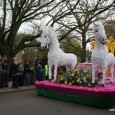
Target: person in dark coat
x=14 y=73
x=1 y=76
x=27 y=73
x=39 y=73
x=36 y=62
x=5 y=71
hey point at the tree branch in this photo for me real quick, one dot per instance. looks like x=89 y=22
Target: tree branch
x=4 y=17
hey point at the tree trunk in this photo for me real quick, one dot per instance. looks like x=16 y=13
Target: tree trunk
x=10 y=60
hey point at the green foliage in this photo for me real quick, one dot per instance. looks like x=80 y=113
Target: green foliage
x=19 y=37
x=29 y=54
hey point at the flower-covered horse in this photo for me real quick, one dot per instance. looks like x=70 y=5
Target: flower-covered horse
x=101 y=58
x=56 y=56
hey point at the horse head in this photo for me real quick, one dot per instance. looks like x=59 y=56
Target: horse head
x=49 y=37
x=45 y=37
x=99 y=32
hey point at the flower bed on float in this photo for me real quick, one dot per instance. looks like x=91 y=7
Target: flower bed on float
x=81 y=76
x=76 y=86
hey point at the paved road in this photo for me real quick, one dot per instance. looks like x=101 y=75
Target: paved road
x=29 y=103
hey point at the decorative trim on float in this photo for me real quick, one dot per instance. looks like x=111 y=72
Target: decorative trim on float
x=77 y=99
x=98 y=96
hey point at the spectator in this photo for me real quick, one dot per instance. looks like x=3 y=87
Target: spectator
x=1 y=77
x=46 y=71
x=5 y=71
x=39 y=72
x=27 y=73
x=21 y=68
x=21 y=74
x=14 y=73
x=36 y=62
x=42 y=72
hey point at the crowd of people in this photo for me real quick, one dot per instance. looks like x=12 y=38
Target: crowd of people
x=21 y=73
x=24 y=72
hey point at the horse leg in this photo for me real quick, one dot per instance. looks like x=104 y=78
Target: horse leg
x=111 y=72
x=104 y=76
x=93 y=73
x=73 y=66
x=50 y=71
x=55 y=73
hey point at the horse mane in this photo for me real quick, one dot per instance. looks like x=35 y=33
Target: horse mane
x=52 y=32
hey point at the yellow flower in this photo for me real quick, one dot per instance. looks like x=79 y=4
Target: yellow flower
x=89 y=84
x=72 y=74
x=70 y=83
x=65 y=82
x=61 y=78
x=78 y=80
x=84 y=78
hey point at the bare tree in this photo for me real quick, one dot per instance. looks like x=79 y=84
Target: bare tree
x=82 y=14
x=13 y=14
x=74 y=15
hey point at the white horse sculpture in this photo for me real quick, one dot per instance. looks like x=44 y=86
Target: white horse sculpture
x=100 y=56
x=56 y=56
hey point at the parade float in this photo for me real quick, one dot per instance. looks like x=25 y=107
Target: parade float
x=88 y=83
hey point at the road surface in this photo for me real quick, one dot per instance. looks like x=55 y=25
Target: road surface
x=29 y=103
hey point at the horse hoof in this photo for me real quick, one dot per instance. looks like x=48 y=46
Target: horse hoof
x=103 y=85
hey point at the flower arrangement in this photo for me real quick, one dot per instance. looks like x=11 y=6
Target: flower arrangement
x=80 y=77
